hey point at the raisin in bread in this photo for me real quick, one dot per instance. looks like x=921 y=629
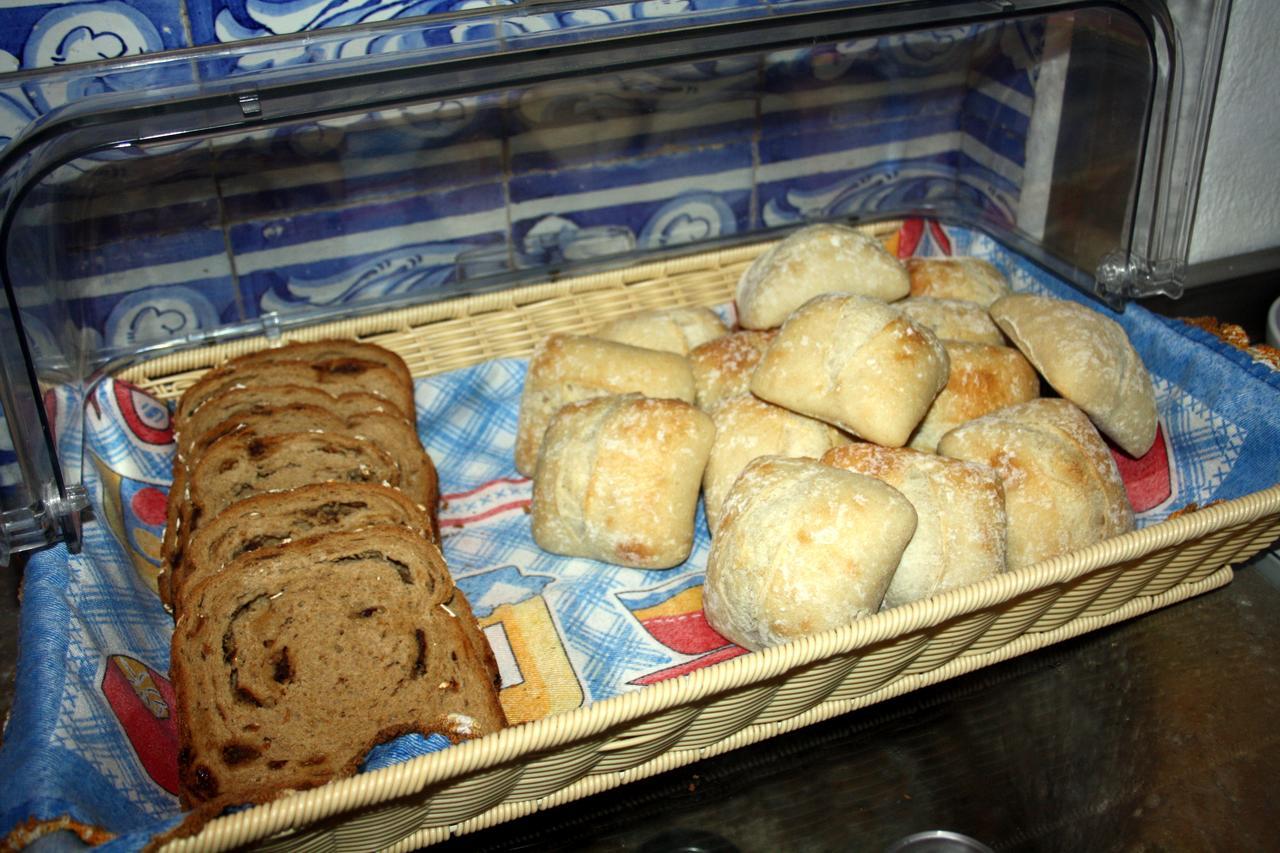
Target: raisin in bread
x=281 y=517
x=241 y=466
x=336 y=376
x=258 y=399
x=292 y=662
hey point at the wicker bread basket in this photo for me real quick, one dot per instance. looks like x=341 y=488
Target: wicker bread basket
x=750 y=698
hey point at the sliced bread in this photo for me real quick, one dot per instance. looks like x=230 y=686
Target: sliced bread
x=281 y=517
x=294 y=661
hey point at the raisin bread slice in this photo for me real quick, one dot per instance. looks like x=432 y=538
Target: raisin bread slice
x=239 y=466
x=328 y=350
x=255 y=400
x=337 y=376
x=281 y=517
x=292 y=662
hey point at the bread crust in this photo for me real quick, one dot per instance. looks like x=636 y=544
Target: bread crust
x=273 y=698
x=676 y=330
x=817 y=259
x=1088 y=359
x=855 y=363
x=567 y=368
x=970 y=279
x=722 y=368
x=747 y=428
x=960 y=521
x=1062 y=488
x=982 y=379
x=953 y=319
x=802 y=547
x=617 y=480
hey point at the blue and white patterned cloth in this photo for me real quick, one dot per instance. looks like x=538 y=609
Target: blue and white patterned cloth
x=91 y=737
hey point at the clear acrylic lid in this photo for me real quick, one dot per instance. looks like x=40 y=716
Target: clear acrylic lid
x=211 y=193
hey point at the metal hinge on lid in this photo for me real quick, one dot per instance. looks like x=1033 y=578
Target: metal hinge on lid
x=1121 y=276
x=56 y=519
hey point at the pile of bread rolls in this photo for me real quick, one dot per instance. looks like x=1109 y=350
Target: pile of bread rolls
x=873 y=434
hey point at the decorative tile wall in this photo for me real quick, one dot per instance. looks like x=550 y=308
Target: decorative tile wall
x=415 y=201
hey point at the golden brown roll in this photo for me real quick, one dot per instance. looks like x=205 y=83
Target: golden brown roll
x=815 y=260
x=1088 y=359
x=568 y=368
x=960 y=522
x=676 y=330
x=983 y=378
x=802 y=547
x=617 y=480
x=953 y=319
x=722 y=368
x=1061 y=487
x=971 y=279
x=748 y=428
x=855 y=363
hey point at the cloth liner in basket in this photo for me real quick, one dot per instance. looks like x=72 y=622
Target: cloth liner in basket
x=92 y=736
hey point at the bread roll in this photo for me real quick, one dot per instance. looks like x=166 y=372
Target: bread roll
x=617 y=480
x=747 y=428
x=953 y=319
x=983 y=378
x=1088 y=359
x=856 y=363
x=568 y=368
x=960 y=523
x=802 y=547
x=722 y=368
x=971 y=279
x=676 y=330
x=814 y=260
x=1061 y=487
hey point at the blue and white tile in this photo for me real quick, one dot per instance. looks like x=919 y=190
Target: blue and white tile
x=58 y=36
x=471 y=29
x=342 y=162
x=543 y=29
x=382 y=251
x=569 y=124
x=650 y=203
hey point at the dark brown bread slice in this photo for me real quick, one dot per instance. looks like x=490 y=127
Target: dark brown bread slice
x=292 y=662
x=240 y=466
x=281 y=517
x=298 y=418
x=329 y=350
x=258 y=399
x=337 y=376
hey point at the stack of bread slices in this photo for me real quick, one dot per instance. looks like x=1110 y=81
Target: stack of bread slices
x=315 y=615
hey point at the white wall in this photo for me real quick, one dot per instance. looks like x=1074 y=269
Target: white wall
x=1239 y=205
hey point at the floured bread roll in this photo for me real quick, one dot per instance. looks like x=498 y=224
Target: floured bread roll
x=960 y=524
x=617 y=480
x=856 y=363
x=748 y=428
x=1061 y=488
x=983 y=378
x=971 y=279
x=802 y=547
x=814 y=260
x=568 y=368
x=1088 y=359
x=722 y=368
x=953 y=319
x=676 y=330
